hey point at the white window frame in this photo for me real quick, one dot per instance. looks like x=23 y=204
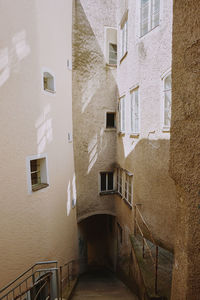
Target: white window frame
x=107 y=41
x=122 y=114
x=124 y=35
x=107 y=190
x=45 y=171
x=165 y=127
x=150 y=17
x=128 y=184
x=134 y=114
x=46 y=91
x=120 y=181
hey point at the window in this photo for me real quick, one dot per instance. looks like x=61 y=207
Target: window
x=128 y=188
x=120 y=181
x=150 y=15
x=122 y=114
x=135 y=116
x=110 y=120
x=37 y=172
x=111 y=45
x=167 y=102
x=48 y=82
x=106 y=181
x=124 y=38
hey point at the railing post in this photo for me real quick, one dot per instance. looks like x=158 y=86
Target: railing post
x=156 y=272
x=60 y=282
x=135 y=220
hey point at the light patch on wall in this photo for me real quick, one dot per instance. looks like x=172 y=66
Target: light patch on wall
x=128 y=145
x=68 y=199
x=74 y=190
x=92 y=152
x=44 y=129
x=4 y=66
x=21 y=47
x=87 y=94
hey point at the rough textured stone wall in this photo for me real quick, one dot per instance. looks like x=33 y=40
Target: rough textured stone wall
x=94 y=93
x=185 y=148
x=147 y=155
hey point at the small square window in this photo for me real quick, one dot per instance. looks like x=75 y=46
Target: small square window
x=37 y=173
x=48 y=82
x=106 y=181
x=110 y=120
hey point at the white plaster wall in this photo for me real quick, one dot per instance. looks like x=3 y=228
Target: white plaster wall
x=147 y=155
x=42 y=225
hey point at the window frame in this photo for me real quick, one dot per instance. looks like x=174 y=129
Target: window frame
x=120 y=182
x=123 y=29
x=122 y=114
x=128 y=197
x=165 y=128
x=47 y=91
x=150 y=17
x=106 y=191
x=132 y=95
x=41 y=185
x=107 y=42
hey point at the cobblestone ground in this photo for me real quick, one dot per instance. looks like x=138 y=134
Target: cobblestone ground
x=101 y=285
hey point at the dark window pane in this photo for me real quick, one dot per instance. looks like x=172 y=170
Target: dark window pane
x=110 y=181
x=34 y=178
x=110 y=120
x=103 y=181
x=34 y=165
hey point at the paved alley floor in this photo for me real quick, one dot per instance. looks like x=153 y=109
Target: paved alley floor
x=101 y=285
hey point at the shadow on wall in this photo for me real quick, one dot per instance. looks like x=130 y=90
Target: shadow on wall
x=94 y=93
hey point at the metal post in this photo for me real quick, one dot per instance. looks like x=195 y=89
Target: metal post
x=60 y=282
x=156 y=272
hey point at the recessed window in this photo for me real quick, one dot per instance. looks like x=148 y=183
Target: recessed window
x=135 y=115
x=37 y=172
x=48 y=82
x=122 y=114
x=111 y=45
x=124 y=38
x=110 y=120
x=120 y=181
x=128 y=188
x=167 y=101
x=150 y=15
x=106 y=181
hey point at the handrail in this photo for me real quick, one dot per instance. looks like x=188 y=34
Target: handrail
x=155 y=261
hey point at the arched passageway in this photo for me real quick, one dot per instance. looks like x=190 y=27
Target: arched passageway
x=97 y=241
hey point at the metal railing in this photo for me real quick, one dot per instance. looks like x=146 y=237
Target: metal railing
x=32 y=282
x=138 y=213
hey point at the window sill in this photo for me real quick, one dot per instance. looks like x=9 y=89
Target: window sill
x=166 y=129
x=141 y=36
x=121 y=133
x=107 y=193
x=134 y=135
x=49 y=91
x=123 y=57
x=111 y=65
x=110 y=129
x=39 y=187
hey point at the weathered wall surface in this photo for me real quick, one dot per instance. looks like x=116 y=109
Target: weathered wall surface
x=94 y=93
x=185 y=148
x=147 y=155
x=42 y=225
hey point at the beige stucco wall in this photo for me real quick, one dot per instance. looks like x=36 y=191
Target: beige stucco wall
x=184 y=148
x=94 y=93
x=147 y=155
x=42 y=225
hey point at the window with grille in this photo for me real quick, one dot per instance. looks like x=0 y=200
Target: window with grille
x=120 y=181
x=150 y=15
x=135 y=114
x=124 y=38
x=128 y=188
x=106 y=181
x=122 y=114
x=167 y=101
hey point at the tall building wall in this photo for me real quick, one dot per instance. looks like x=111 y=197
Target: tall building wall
x=184 y=147
x=94 y=94
x=146 y=154
x=41 y=225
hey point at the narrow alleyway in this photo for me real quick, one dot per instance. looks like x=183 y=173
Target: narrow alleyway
x=101 y=285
